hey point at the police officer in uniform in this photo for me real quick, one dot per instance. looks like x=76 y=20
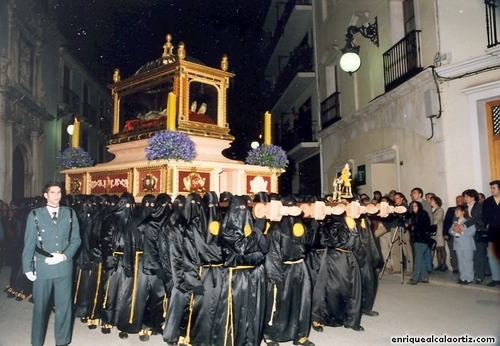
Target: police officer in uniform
x=51 y=240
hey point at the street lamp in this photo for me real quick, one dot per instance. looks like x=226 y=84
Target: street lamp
x=350 y=60
x=70 y=129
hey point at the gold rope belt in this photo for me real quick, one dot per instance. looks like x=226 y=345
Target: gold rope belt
x=134 y=287
x=212 y=265
x=342 y=250
x=320 y=250
x=294 y=262
x=117 y=253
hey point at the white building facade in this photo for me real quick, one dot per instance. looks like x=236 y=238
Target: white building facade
x=422 y=110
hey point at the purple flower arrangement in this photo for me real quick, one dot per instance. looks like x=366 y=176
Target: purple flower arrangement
x=73 y=157
x=170 y=145
x=271 y=155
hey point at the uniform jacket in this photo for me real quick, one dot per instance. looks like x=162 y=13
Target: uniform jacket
x=56 y=237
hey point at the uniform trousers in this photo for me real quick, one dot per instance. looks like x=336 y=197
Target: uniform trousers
x=42 y=290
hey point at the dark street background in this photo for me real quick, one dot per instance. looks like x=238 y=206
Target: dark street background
x=126 y=34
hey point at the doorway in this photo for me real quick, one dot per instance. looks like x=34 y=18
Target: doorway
x=493 y=128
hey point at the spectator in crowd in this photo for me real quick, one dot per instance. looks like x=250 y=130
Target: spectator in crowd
x=464 y=244
x=397 y=261
x=417 y=195
x=377 y=195
x=475 y=210
x=482 y=197
x=447 y=223
x=438 y=217
x=491 y=218
x=419 y=226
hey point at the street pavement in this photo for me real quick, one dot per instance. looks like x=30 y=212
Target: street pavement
x=441 y=307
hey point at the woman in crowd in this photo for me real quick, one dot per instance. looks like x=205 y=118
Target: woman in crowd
x=438 y=218
x=419 y=226
x=464 y=245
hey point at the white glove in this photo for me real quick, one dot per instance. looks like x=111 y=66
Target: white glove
x=31 y=276
x=57 y=258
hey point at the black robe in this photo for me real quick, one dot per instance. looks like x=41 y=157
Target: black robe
x=209 y=313
x=117 y=286
x=244 y=258
x=185 y=263
x=289 y=289
x=337 y=293
x=372 y=260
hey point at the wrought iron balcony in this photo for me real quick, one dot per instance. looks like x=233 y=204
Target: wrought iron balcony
x=402 y=61
x=330 y=110
x=281 y=24
x=70 y=98
x=89 y=114
x=301 y=60
x=491 y=23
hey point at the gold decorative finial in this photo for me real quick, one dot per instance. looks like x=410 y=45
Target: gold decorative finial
x=168 y=47
x=224 y=64
x=181 y=51
x=116 y=75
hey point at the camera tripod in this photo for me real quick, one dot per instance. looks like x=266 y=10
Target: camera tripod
x=396 y=238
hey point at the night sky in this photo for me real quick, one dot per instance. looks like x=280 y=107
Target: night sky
x=125 y=34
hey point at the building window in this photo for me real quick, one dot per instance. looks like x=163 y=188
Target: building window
x=495 y=120
x=409 y=16
x=25 y=65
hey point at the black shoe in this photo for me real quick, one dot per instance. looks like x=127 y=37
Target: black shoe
x=358 y=328
x=493 y=283
x=92 y=326
x=371 y=313
x=455 y=271
x=464 y=282
x=317 y=327
x=412 y=282
x=83 y=319
x=424 y=280
x=123 y=335
x=478 y=282
x=272 y=343
x=105 y=330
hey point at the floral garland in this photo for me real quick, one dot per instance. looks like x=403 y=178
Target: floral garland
x=170 y=145
x=73 y=157
x=269 y=155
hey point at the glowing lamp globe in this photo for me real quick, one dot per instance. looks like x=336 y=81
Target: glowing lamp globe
x=70 y=129
x=350 y=62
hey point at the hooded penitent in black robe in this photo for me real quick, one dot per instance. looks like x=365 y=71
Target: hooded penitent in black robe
x=289 y=289
x=245 y=260
x=87 y=274
x=337 y=293
x=117 y=286
x=184 y=261
x=371 y=261
x=208 y=318
x=149 y=278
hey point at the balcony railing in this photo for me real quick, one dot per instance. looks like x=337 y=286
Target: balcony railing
x=301 y=60
x=402 y=61
x=491 y=23
x=281 y=24
x=70 y=98
x=90 y=114
x=288 y=137
x=330 y=110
